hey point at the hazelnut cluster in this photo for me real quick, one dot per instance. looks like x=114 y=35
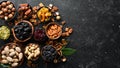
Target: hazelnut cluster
x=32 y=51
x=55 y=13
x=67 y=32
x=11 y=54
x=25 y=11
x=33 y=19
x=7 y=10
x=53 y=31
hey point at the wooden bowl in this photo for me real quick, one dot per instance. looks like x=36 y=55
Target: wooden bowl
x=12 y=45
x=22 y=13
x=33 y=59
x=14 y=11
x=26 y=38
x=44 y=58
x=47 y=27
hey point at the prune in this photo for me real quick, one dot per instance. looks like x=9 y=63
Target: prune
x=39 y=35
x=22 y=30
x=49 y=53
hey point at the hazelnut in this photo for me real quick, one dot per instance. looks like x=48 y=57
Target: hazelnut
x=55 y=8
x=5 y=10
x=8 y=2
x=66 y=29
x=58 y=17
x=10 y=6
x=13 y=9
x=6 y=14
x=70 y=30
x=10 y=16
x=1 y=12
x=12 y=13
x=0 y=6
x=6 y=18
x=9 y=11
x=1 y=16
x=3 y=4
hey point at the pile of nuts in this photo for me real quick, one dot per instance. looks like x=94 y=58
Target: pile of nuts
x=7 y=10
x=25 y=11
x=32 y=51
x=53 y=31
x=33 y=19
x=55 y=13
x=11 y=54
x=67 y=32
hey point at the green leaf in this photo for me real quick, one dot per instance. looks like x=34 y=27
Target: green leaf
x=4 y=66
x=68 y=51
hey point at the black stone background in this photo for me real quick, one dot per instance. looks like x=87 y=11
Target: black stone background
x=96 y=38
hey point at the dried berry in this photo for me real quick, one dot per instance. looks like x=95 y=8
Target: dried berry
x=39 y=35
x=49 y=53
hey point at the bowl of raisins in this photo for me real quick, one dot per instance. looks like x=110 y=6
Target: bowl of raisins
x=23 y=31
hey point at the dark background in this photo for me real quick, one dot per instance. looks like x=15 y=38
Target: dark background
x=96 y=35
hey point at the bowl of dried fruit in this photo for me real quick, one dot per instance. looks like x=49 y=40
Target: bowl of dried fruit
x=11 y=55
x=44 y=14
x=23 y=31
x=7 y=10
x=53 y=30
x=49 y=53
x=32 y=51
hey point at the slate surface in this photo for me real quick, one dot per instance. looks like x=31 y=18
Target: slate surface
x=96 y=32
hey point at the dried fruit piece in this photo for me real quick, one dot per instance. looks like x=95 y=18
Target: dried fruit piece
x=49 y=53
